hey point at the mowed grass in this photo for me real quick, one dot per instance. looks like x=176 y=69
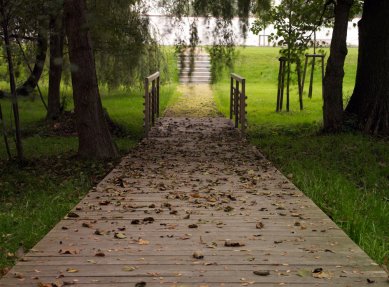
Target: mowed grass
x=347 y=174
x=35 y=196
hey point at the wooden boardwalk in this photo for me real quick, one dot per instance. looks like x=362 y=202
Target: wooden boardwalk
x=196 y=205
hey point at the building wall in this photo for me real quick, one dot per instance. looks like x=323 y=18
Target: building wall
x=167 y=31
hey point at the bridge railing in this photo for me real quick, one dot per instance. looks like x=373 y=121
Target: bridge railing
x=151 y=104
x=238 y=101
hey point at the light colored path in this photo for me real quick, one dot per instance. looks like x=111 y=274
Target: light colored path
x=196 y=101
x=195 y=187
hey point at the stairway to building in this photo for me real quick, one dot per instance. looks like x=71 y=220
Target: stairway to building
x=201 y=71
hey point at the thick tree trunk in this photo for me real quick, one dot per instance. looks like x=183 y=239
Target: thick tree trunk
x=94 y=138
x=333 y=79
x=56 y=59
x=370 y=101
x=30 y=84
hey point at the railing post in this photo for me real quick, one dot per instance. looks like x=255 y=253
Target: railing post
x=158 y=91
x=243 y=106
x=236 y=103
x=151 y=103
x=146 y=122
x=231 y=98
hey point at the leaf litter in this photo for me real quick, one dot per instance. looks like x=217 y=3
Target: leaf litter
x=237 y=194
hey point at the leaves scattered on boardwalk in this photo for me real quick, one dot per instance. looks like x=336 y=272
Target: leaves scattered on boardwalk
x=196 y=205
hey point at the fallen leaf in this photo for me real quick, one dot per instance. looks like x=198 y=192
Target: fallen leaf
x=104 y=203
x=69 y=251
x=73 y=215
x=128 y=268
x=18 y=275
x=259 y=225
x=198 y=255
x=321 y=274
x=228 y=209
x=57 y=283
x=71 y=270
x=120 y=235
x=262 y=272
x=210 y=263
x=148 y=220
x=230 y=243
x=99 y=232
x=143 y=242
x=304 y=273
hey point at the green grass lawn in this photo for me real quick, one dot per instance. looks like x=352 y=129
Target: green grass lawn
x=346 y=174
x=33 y=198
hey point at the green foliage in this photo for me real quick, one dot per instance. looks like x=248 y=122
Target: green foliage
x=294 y=21
x=222 y=48
x=125 y=50
x=222 y=56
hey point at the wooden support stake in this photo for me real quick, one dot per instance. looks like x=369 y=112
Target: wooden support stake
x=282 y=84
x=279 y=88
x=311 y=80
x=300 y=86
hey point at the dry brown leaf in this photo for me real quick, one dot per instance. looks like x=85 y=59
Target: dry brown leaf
x=120 y=235
x=69 y=251
x=71 y=270
x=143 y=242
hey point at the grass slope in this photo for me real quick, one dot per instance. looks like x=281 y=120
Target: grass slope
x=346 y=174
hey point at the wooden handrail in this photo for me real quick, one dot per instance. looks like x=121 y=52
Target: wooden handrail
x=238 y=101
x=153 y=76
x=151 y=104
x=237 y=77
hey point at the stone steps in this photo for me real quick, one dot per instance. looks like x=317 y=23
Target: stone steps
x=201 y=72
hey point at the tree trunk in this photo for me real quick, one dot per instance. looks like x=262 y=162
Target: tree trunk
x=30 y=84
x=94 y=138
x=333 y=79
x=15 y=107
x=370 y=101
x=56 y=60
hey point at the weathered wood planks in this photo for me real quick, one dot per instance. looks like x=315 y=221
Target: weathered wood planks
x=192 y=185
